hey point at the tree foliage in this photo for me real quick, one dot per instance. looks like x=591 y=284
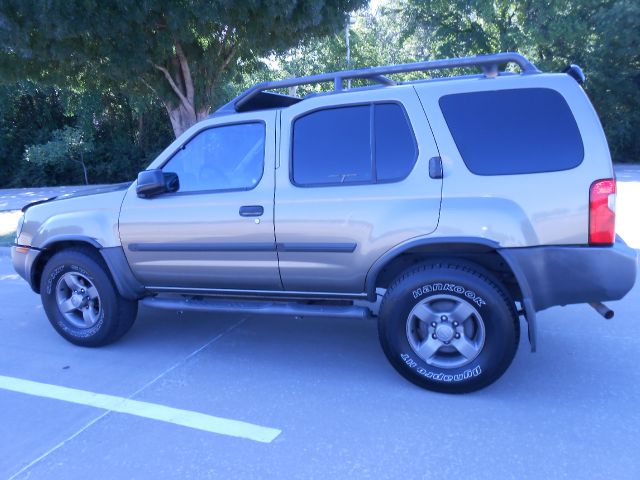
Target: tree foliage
x=183 y=51
x=66 y=144
x=374 y=40
x=602 y=36
x=37 y=126
x=92 y=68
x=28 y=115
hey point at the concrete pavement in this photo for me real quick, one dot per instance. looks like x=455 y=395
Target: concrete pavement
x=568 y=411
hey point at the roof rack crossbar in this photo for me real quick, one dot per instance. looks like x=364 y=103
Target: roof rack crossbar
x=488 y=63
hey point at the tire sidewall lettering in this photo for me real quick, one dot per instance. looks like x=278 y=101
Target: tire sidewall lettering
x=450 y=288
x=468 y=373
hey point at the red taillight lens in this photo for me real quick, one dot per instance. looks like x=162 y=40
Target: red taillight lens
x=602 y=212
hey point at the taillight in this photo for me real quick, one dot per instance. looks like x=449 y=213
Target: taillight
x=602 y=212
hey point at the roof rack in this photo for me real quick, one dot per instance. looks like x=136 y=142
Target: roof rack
x=257 y=96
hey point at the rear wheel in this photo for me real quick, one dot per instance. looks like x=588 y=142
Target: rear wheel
x=81 y=300
x=448 y=328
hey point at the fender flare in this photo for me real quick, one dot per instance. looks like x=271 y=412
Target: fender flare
x=126 y=283
x=70 y=238
x=477 y=243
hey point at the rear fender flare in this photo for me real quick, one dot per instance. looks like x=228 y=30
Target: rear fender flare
x=476 y=243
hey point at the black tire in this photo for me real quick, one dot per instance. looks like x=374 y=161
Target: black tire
x=93 y=316
x=429 y=309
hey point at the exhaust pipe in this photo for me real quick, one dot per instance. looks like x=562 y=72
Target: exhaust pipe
x=602 y=309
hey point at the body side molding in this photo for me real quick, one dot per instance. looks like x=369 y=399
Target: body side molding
x=244 y=247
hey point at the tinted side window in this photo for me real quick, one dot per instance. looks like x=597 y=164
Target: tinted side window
x=396 y=149
x=513 y=131
x=230 y=157
x=359 y=144
x=332 y=146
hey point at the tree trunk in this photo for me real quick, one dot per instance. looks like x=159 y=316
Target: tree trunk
x=182 y=118
x=182 y=109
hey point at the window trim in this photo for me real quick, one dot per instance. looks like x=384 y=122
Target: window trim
x=375 y=181
x=222 y=190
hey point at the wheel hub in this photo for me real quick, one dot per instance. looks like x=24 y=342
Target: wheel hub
x=445 y=332
x=78 y=300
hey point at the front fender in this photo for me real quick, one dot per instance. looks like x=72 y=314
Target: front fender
x=93 y=217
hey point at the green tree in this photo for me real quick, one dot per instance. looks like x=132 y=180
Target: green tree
x=183 y=51
x=66 y=144
x=28 y=114
x=123 y=136
x=614 y=84
x=375 y=38
x=602 y=36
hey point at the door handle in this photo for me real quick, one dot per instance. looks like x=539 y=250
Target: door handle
x=251 y=211
x=435 y=167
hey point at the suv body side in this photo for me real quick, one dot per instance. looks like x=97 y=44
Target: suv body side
x=293 y=247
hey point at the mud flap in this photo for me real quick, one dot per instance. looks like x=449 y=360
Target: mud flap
x=530 y=315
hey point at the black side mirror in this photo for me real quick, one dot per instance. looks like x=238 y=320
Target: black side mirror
x=154 y=182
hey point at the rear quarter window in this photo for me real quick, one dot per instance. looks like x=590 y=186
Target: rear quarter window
x=507 y=132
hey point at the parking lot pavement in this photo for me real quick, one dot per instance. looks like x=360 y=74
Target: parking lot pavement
x=568 y=411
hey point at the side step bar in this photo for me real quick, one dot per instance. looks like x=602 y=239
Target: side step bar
x=256 y=307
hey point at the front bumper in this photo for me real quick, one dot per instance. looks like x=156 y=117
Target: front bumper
x=23 y=259
x=563 y=275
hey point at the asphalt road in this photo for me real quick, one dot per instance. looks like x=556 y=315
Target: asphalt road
x=568 y=411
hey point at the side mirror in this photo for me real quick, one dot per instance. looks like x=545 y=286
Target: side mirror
x=154 y=182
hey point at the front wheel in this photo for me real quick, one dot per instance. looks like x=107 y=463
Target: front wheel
x=448 y=328
x=81 y=300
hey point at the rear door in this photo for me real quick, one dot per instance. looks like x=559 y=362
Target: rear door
x=352 y=182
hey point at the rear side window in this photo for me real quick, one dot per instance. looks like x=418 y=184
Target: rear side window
x=508 y=132
x=359 y=144
x=395 y=145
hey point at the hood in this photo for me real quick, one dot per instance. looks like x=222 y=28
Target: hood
x=81 y=193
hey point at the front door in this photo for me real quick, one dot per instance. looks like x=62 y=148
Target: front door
x=217 y=230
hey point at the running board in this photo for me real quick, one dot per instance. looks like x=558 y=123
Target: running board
x=256 y=307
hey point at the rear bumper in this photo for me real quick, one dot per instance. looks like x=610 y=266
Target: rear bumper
x=559 y=275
